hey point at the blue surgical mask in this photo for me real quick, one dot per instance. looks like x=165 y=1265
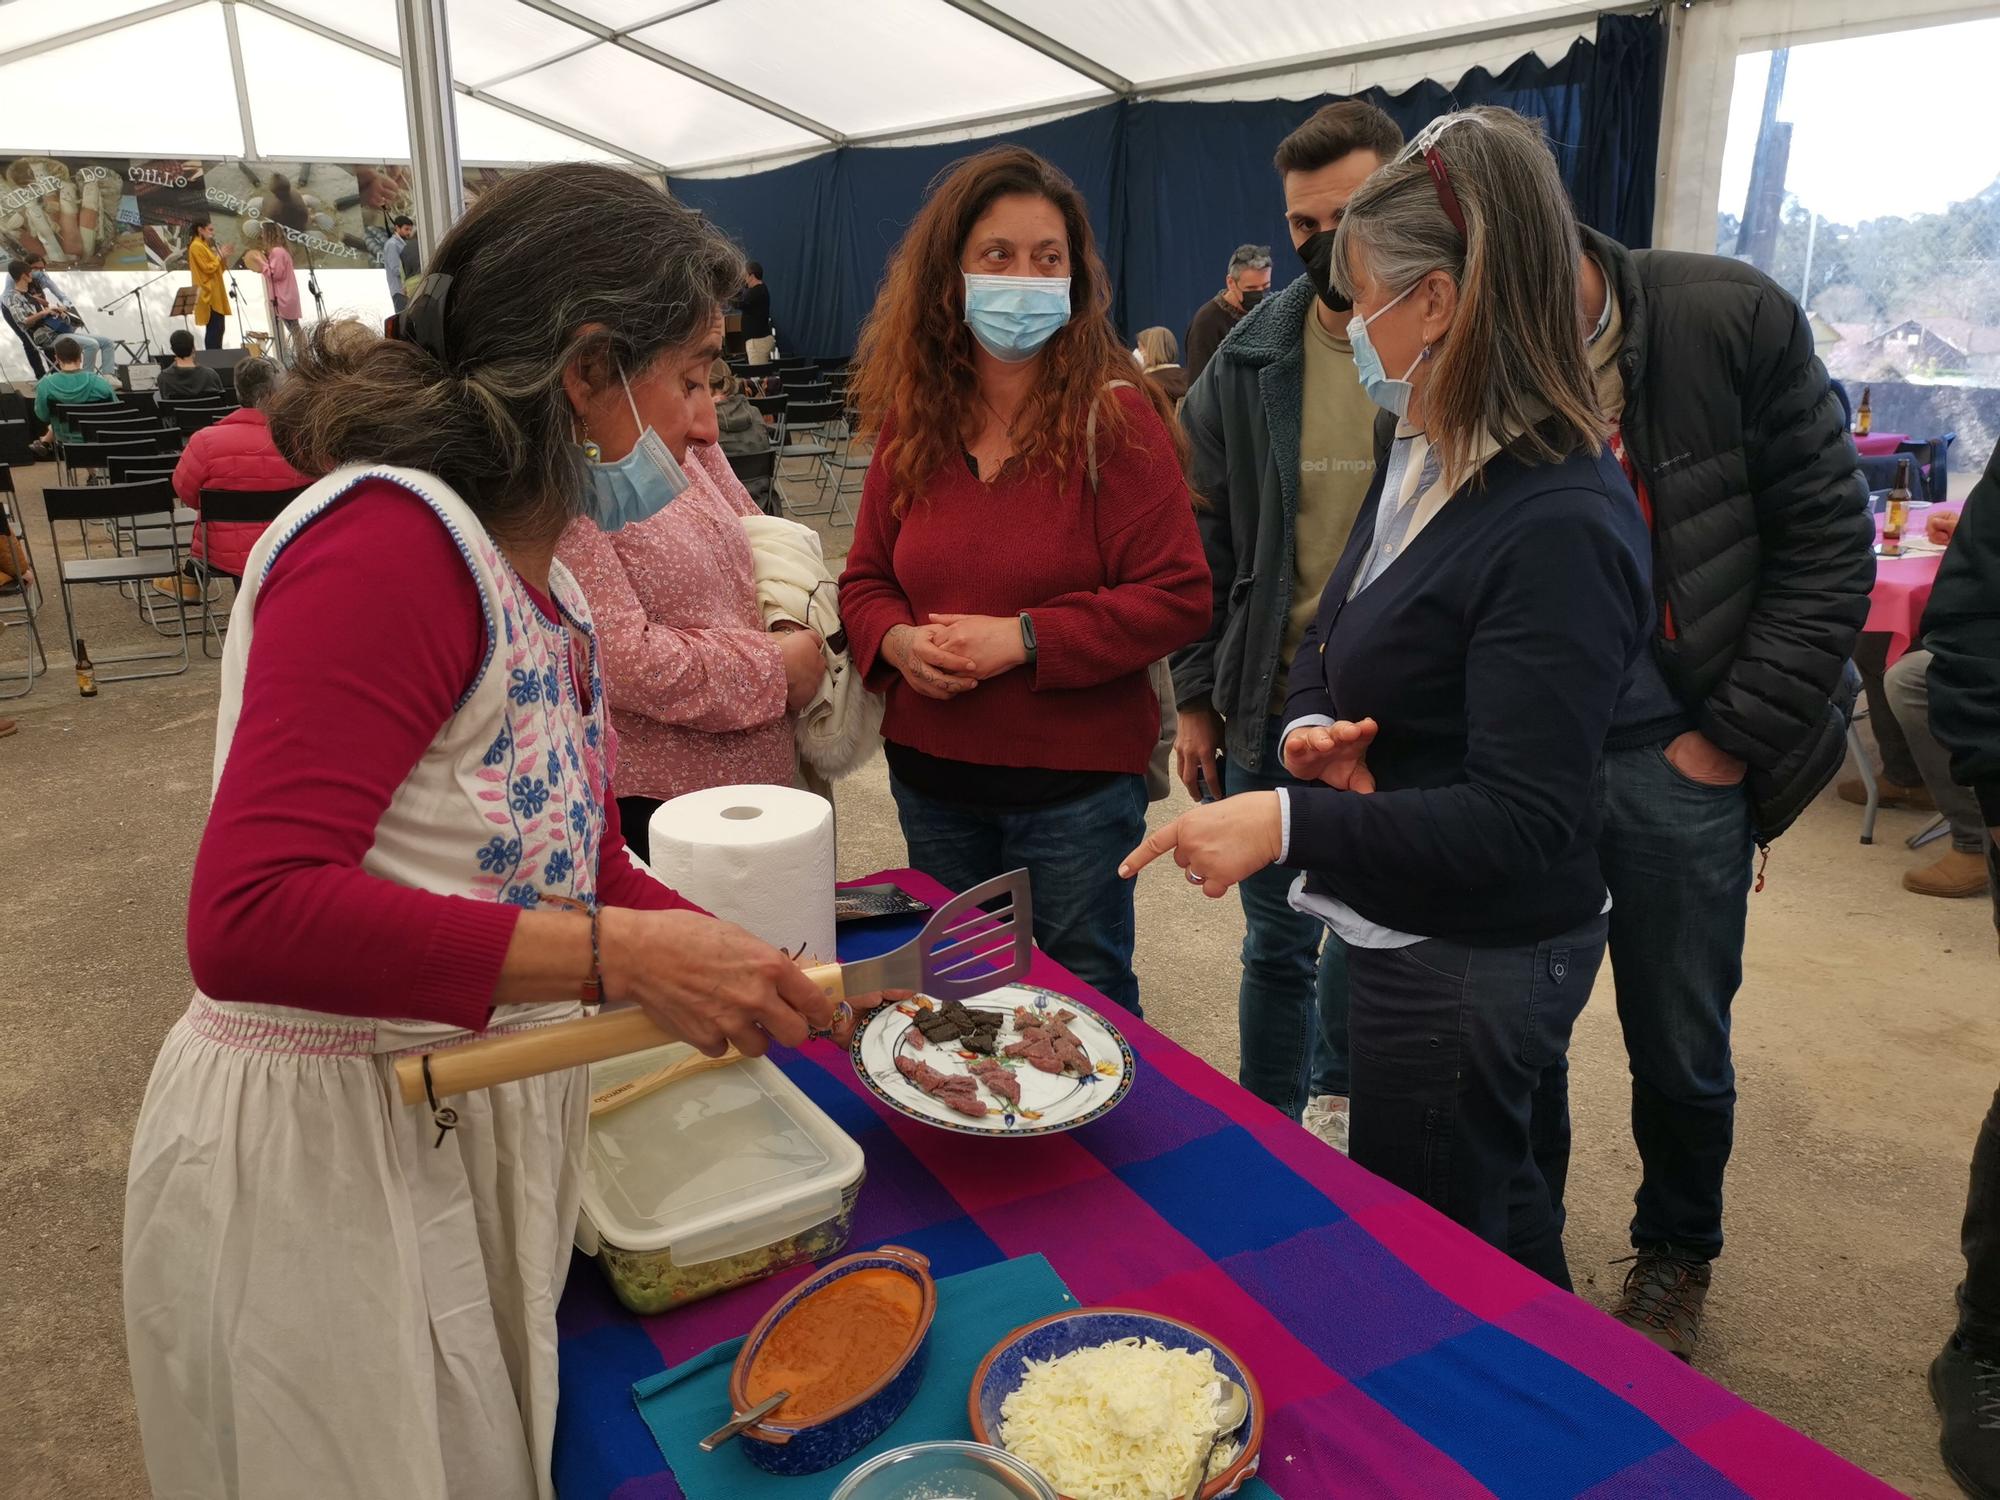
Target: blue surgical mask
x=1013 y=316
x=1390 y=395
x=640 y=485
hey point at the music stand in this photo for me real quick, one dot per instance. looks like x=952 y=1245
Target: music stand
x=183 y=308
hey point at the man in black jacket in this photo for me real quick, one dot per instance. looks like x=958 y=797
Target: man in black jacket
x=1762 y=561
x=1962 y=631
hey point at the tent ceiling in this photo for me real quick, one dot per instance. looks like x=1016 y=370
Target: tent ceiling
x=674 y=85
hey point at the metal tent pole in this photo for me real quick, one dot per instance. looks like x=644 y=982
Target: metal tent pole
x=439 y=188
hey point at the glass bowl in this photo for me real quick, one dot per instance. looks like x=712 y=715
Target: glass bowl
x=945 y=1471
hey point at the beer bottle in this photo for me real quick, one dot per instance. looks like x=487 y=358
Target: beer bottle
x=1864 y=415
x=86 y=671
x=1898 y=515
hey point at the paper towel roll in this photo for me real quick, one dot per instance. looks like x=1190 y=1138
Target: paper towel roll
x=758 y=856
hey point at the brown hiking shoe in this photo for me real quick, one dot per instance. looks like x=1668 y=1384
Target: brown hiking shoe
x=1663 y=1298
x=1913 y=798
x=1955 y=874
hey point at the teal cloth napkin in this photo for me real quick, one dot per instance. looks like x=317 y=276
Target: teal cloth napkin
x=975 y=1310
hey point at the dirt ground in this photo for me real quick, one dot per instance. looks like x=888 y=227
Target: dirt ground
x=1867 y=1045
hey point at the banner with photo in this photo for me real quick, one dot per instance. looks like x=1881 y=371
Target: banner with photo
x=120 y=214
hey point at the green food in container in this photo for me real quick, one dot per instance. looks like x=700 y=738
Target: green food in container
x=716 y=1180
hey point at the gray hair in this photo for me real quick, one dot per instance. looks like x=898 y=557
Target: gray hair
x=1249 y=258
x=1513 y=364
x=256 y=379
x=571 y=266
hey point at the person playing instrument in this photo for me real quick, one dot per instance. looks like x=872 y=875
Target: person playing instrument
x=413 y=841
x=100 y=351
x=281 y=293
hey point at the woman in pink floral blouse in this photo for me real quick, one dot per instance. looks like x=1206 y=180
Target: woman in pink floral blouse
x=701 y=694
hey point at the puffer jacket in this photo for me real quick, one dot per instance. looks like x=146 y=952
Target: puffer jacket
x=234 y=454
x=1762 y=541
x=1962 y=631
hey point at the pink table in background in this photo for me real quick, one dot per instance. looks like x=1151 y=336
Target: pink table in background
x=1880 y=444
x=1903 y=587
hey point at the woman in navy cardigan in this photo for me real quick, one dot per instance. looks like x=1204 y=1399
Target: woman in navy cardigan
x=1448 y=711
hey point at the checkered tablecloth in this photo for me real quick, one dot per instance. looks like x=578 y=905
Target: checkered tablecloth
x=1398 y=1354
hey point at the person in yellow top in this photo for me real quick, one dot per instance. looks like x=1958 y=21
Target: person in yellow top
x=211 y=308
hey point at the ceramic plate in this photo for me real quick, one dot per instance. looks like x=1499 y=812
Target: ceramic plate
x=1050 y=1102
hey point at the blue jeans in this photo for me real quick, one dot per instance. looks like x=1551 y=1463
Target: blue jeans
x=1677 y=856
x=1083 y=910
x=100 y=353
x=1461 y=1080
x=1291 y=1010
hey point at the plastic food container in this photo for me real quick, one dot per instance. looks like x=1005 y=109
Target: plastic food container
x=808 y=1447
x=964 y=1471
x=714 y=1181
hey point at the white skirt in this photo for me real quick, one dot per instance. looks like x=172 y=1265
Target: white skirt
x=319 y=1299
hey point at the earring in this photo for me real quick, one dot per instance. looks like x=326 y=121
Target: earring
x=590 y=449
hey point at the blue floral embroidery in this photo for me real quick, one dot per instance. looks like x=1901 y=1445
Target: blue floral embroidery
x=526 y=685
x=497 y=751
x=521 y=895
x=558 y=868
x=575 y=760
x=555 y=766
x=500 y=854
x=590 y=734
x=528 y=795
x=550 y=690
x=579 y=818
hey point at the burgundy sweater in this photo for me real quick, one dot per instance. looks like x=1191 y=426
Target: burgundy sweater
x=281 y=910
x=1114 y=579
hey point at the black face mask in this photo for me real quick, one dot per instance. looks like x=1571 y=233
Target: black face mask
x=1317 y=253
x=1251 y=296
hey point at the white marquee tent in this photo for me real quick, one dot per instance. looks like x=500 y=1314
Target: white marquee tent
x=725 y=86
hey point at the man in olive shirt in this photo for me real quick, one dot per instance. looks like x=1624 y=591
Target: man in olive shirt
x=1246 y=284
x=1283 y=450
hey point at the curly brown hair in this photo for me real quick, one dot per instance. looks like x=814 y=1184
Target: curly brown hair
x=914 y=361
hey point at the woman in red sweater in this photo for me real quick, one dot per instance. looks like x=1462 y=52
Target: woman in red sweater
x=1026 y=548
x=413 y=840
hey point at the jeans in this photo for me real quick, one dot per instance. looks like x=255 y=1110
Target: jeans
x=99 y=352
x=1291 y=1010
x=212 y=331
x=1083 y=910
x=1461 y=1080
x=1906 y=686
x=1677 y=856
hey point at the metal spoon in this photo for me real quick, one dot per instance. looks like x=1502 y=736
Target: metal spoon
x=748 y=1418
x=1232 y=1405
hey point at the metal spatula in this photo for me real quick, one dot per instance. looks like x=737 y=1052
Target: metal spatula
x=964 y=950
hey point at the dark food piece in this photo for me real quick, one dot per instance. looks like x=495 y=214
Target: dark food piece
x=953 y=1090
x=975 y=1031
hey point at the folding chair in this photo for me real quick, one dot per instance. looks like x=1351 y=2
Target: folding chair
x=163 y=439
x=97 y=455
x=809 y=390
x=221 y=506
x=760 y=372
x=1931 y=463
x=840 y=464
x=191 y=419
x=20 y=596
x=757 y=472
x=96 y=415
x=118 y=503
x=157 y=464
x=772 y=408
x=796 y=363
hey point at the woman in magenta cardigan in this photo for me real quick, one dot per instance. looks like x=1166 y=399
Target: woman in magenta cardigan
x=701 y=694
x=1026 y=548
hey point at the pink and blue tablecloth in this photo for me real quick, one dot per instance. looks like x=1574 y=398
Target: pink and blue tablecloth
x=1399 y=1355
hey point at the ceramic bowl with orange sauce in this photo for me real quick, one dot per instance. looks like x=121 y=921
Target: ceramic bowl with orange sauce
x=850 y=1344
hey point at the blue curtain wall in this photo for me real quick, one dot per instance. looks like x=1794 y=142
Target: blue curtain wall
x=1173 y=188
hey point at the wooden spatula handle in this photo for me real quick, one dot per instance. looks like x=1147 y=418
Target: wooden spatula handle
x=526 y=1054
x=827 y=977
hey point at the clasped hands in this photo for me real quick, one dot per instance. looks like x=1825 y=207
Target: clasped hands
x=953 y=654
x=1218 y=844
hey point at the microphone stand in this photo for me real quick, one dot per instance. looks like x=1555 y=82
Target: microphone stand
x=145 y=350
x=312 y=278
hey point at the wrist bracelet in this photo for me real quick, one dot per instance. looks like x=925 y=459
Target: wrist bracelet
x=593 y=987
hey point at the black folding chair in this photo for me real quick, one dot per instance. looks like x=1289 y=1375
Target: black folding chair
x=164 y=439
x=757 y=473
x=119 y=504
x=191 y=419
x=840 y=467
x=1931 y=461
x=156 y=463
x=258 y=507
x=760 y=372
x=810 y=390
x=796 y=362
x=21 y=594
x=85 y=456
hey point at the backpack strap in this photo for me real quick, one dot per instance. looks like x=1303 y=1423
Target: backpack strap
x=1090 y=433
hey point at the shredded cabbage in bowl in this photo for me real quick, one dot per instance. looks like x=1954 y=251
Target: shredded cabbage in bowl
x=1124 y=1420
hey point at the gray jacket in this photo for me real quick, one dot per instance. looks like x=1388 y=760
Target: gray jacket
x=1242 y=422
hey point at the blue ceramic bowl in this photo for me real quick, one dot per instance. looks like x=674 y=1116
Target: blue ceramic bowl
x=1000 y=1373
x=806 y=1448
